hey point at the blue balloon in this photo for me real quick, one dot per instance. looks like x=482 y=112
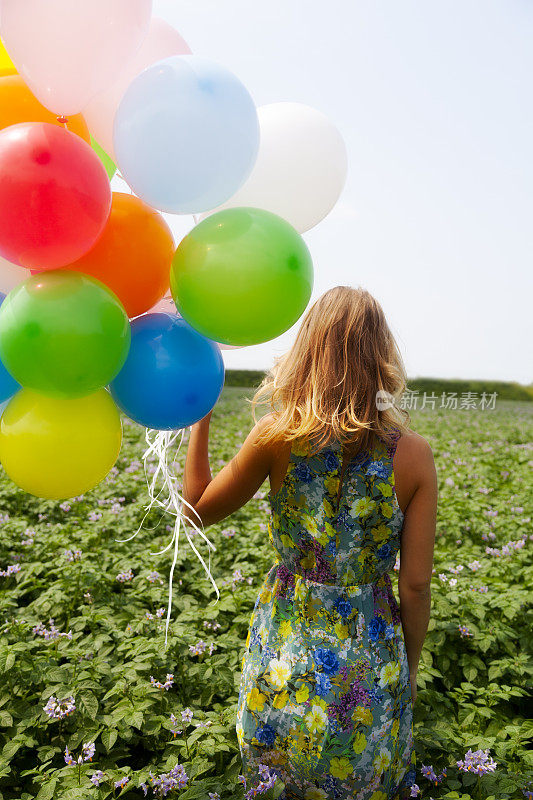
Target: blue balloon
x=186 y=135
x=8 y=385
x=173 y=375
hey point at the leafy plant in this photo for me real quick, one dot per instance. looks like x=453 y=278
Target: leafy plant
x=83 y=618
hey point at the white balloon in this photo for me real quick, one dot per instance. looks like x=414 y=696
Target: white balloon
x=161 y=42
x=301 y=167
x=11 y=275
x=69 y=50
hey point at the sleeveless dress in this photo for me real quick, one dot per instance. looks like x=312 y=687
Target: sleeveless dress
x=325 y=695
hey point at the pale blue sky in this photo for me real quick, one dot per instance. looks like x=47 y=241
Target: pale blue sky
x=433 y=98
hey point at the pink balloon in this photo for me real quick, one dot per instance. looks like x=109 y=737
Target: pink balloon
x=11 y=275
x=230 y=346
x=166 y=305
x=161 y=42
x=69 y=50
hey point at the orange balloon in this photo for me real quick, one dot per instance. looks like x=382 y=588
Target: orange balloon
x=133 y=254
x=19 y=104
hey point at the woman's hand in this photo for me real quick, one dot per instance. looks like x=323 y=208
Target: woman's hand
x=204 y=421
x=412 y=678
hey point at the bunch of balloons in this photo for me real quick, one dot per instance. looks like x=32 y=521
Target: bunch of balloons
x=86 y=88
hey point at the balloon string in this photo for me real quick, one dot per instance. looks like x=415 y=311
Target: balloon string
x=170 y=500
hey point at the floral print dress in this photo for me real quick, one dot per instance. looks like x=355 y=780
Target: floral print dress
x=325 y=695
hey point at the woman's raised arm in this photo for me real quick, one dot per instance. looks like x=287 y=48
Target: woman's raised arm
x=216 y=498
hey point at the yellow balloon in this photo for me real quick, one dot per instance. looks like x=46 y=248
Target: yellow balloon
x=58 y=448
x=6 y=65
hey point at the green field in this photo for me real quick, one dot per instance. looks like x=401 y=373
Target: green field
x=106 y=640
x=504 y=389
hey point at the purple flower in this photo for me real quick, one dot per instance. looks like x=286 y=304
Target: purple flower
x=428 y=772
x=166 y=685
x=175 y=779
x=479 y=762
x=97 y=777
x=176 y=730
x=198 y=648
x=268 y=780
x=88 y=751
x=29 y=533
x=12 y=568
x=57 y=709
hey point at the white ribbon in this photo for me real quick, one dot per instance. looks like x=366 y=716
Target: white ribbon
x=163 y=492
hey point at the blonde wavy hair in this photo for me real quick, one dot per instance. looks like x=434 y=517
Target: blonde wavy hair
x=325 y=387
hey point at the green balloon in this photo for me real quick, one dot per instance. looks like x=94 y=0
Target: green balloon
x=242 y=276
x=107 y=161
x=63 y=334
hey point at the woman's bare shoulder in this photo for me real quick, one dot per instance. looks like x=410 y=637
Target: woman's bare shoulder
x=413 y=444
x=414 y=453
x=414 y=467
x=274 y=446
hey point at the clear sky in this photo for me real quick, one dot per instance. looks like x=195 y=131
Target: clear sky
x=433 y=99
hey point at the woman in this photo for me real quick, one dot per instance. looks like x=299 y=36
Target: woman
x=329 y=673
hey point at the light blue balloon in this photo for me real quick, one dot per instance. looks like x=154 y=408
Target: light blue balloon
x=186 y=135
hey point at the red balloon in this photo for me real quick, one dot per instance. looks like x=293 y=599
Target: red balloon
x=55 y=196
